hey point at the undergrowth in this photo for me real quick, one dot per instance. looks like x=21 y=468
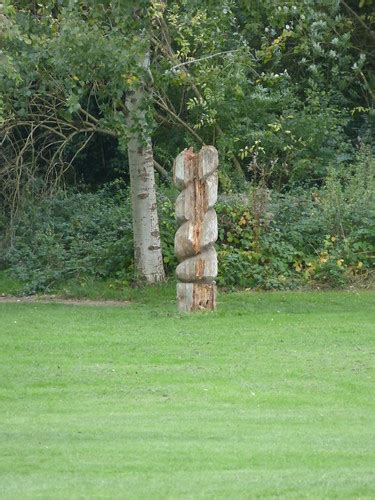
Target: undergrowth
x=316 y=237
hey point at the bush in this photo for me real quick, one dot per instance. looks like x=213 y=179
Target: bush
x=252 y=249
x=167 y=223
x=322 y=236
x=73 y=235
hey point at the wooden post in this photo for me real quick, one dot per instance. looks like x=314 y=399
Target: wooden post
x=195 y=174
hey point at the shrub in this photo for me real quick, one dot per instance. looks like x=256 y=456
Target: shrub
x=73 y=235
x=269 y=240
x=167 y=224
x=317 y=236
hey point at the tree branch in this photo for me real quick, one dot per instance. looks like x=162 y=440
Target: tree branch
x=194 y=61
x=179 y=120
x=161 y=170
x=358 y=18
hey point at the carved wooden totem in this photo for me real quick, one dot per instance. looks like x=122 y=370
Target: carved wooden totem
x=196 y=175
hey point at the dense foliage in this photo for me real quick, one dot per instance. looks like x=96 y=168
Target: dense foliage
x=320 y=237
x=283 y=89
x=73 y=236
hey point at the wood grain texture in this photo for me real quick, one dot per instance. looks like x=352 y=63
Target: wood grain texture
x=196 y=175
x=196 y=297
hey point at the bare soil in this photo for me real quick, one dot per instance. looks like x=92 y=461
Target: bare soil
x=46 y=299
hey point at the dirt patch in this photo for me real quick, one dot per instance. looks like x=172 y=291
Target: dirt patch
x=45 y=299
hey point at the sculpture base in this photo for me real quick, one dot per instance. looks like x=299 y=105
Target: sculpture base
x=196 y=297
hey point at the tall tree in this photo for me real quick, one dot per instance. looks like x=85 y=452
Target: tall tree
x=73 y=71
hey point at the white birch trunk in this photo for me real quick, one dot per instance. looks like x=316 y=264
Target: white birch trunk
x=147 y=246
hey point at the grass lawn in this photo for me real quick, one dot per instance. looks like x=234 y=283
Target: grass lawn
x=272 y=395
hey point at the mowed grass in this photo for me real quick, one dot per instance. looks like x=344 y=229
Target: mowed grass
x=272 y=395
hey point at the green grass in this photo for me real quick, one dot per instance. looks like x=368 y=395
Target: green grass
x=272 y=395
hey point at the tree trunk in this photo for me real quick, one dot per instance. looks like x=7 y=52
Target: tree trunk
x=147 y=246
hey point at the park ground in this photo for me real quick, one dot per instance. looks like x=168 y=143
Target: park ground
x=270 y=396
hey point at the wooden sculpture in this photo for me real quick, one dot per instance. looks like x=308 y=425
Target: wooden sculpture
x=196 y=175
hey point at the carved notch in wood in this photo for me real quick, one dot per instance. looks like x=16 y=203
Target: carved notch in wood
x=195 y=174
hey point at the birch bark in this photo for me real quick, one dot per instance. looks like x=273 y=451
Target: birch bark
x=147 y=245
